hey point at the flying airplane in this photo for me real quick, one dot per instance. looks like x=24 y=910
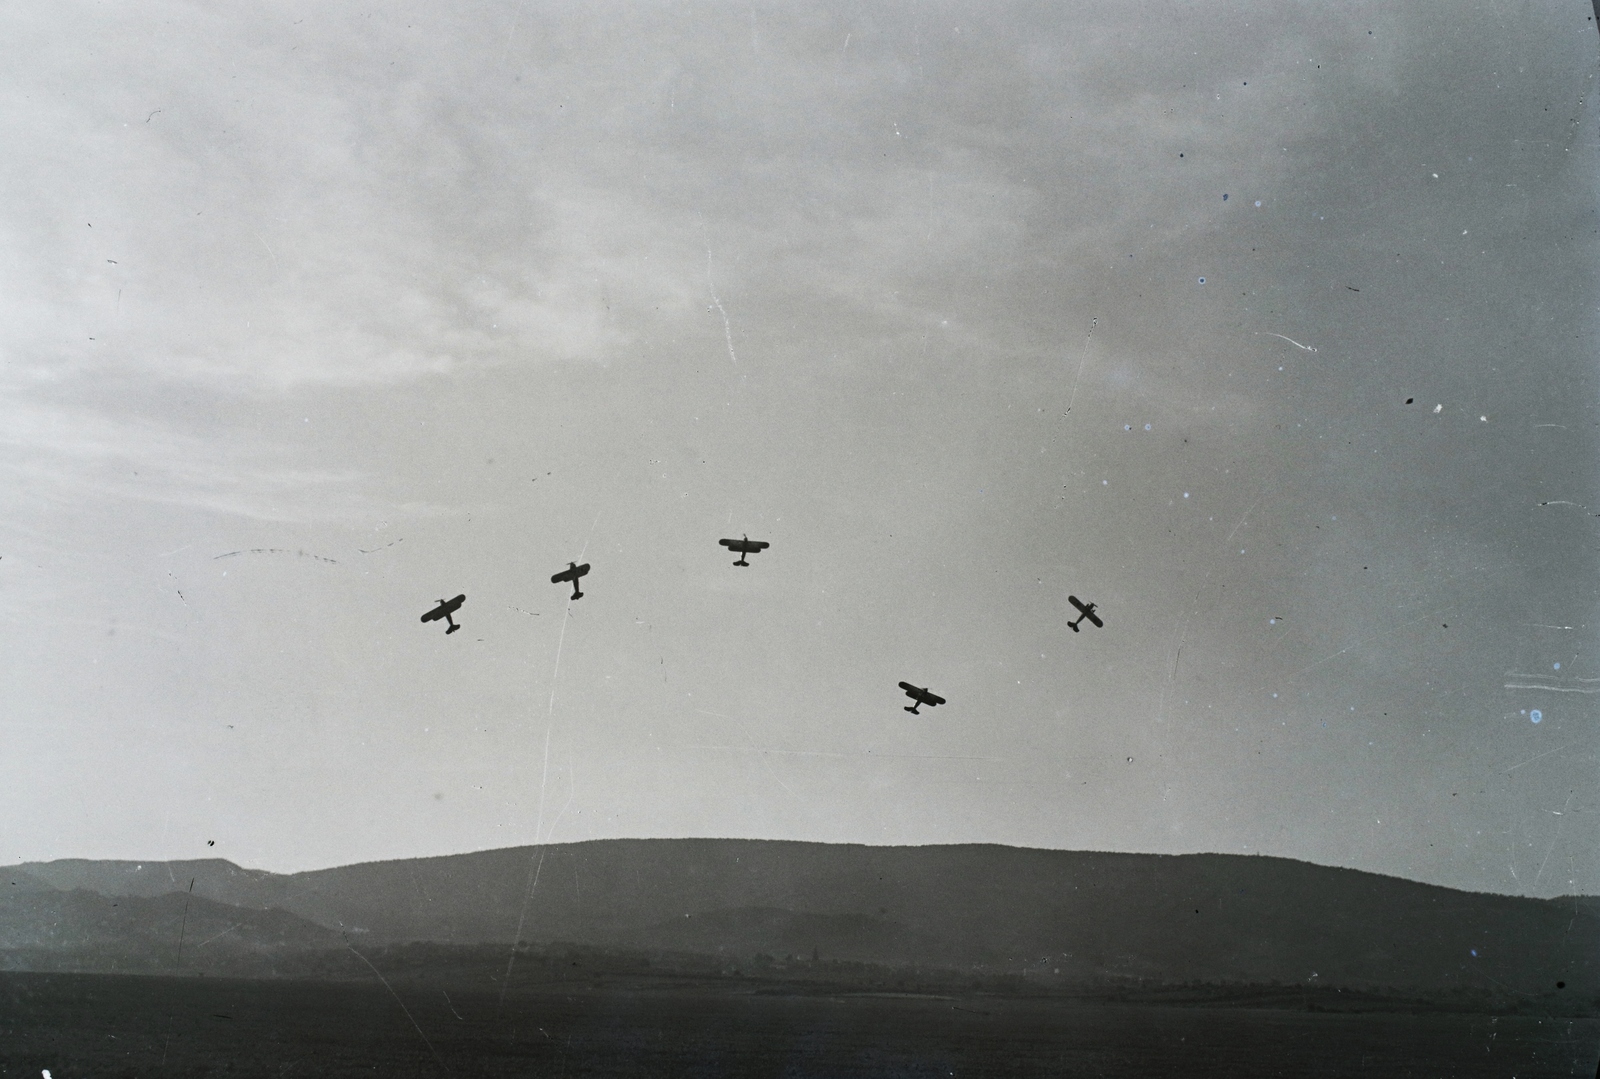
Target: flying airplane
x=572 y=573
x=746 y=546
x=1088 y=612
x=921 y=696
x=446 y=608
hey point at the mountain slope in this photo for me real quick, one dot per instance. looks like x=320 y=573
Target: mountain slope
x=50 y=929
x=1170 y=918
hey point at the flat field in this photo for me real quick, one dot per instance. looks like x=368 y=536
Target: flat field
x=79 y=1025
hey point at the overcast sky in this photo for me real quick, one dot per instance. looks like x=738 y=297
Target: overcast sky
x=1267 y=327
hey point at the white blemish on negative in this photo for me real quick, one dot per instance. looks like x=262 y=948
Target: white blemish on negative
x=727 y=327
x=1293 y=342
x=1551 y=689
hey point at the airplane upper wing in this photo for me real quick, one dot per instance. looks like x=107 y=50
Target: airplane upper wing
x=729 y=544
x=931 y=699
x=908 y=687
x=446 y=607
x=1095 y=619
x=759 y=545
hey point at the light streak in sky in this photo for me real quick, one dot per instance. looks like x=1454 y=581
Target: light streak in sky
x=1293 y=342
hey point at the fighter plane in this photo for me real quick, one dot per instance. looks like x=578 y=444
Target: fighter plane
x=746 y=546
x=572 y=573
x=1088 y=612
x=446 y=608
x=920 y=696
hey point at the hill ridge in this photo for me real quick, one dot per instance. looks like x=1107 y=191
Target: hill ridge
x=1086 y=914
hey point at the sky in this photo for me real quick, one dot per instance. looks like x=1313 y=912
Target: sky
x=1268 y=328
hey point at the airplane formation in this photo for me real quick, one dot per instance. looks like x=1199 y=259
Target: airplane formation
x=745 y=546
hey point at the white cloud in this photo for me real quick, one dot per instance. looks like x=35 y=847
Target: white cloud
x=70 y=455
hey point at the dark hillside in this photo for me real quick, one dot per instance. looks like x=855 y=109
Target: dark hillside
x=1068 y=914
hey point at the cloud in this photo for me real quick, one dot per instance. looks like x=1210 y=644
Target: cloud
x=66 y=455
x=259 y=203
x=233 y=212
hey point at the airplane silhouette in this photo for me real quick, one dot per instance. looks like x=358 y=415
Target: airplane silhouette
x=1088 y=612
x=446 y=608
x=572 y=573
x=746 y=546
x=921 y=696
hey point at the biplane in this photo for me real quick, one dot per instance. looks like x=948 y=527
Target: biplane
x=746 y=546
x=446 y=608
x=571 y=573
x=1087 y=612
x=921 y=696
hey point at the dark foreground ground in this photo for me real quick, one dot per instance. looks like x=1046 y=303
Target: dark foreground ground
x=80 y=1025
